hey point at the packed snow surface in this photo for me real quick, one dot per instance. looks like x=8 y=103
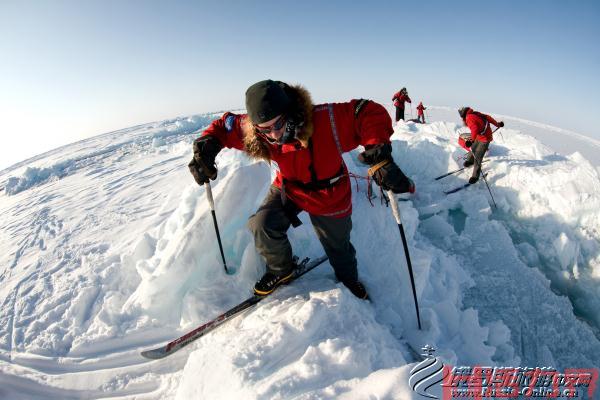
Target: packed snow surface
x=107 y=247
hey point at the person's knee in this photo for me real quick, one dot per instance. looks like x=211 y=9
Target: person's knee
x=265 y=223
x=257 y=222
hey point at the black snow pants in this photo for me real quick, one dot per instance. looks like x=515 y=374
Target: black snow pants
x=399 y=113
x=269 y=226
x=475 y=156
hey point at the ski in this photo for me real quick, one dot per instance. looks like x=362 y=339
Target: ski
x=161 y=352
x=459 y=188
x=454 y=172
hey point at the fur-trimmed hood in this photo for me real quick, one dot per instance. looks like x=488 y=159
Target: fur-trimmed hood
x=302 y=105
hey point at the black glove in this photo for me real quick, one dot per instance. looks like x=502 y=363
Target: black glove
x=500 y=124
x=467 y=138
x=202 y=167
x=473 y=180
x=389 y=177
x=375 y=154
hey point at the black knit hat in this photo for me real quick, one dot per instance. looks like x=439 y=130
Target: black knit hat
x=265 y=100
x=463 y=111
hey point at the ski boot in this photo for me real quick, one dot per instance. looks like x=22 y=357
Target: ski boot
x=357 y=289
x=269 y=281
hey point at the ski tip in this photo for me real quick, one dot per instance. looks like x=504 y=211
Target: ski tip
x=154 y=354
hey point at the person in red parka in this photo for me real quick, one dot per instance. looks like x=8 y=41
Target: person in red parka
x=399 y=99
x=306 y=141
x=420 y=113
x=478 y=142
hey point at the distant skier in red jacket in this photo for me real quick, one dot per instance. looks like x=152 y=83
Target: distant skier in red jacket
x=306 y=141
x=399 y=99
x=420 y=113
x=478 y=142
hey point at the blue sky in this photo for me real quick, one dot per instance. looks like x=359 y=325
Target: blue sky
x=72 y=69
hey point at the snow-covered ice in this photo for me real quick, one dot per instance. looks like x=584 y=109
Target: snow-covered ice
x=107 y=247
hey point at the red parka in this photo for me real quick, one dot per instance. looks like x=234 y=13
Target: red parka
x=333 y=129
x=399 y=99
x=420 y=108
x=479 y=124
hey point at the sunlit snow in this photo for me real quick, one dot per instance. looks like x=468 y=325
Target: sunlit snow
x=107 y=247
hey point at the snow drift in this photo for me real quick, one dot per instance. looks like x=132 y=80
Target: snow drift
x=108 y=248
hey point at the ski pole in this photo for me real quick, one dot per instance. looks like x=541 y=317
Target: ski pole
x=489 y=190
x=211 y=202
x=484 y=178
x=499 y=132
x=396 y=213
x=494 y=131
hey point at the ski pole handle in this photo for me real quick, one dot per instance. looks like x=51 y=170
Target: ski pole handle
x=209 y=196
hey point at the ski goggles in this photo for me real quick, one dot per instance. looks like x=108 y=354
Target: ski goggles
x=277 y=125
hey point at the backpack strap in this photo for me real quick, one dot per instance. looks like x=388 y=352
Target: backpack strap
x=334 y=129
x=358 y=107
x=485 y=121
